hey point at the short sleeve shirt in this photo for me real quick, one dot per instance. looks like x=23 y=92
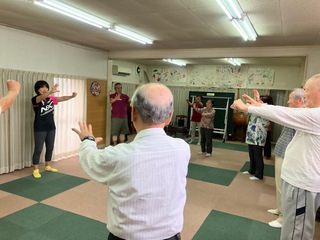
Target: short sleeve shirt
x=44 y=113
x=196 y=117
x=257 y=131
x=119 y=107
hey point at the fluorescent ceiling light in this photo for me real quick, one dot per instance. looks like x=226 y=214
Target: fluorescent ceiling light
x=236 y=24
x=124 y=35
x=233 y=61
x=75 y=13
x=224 y=9
x=176 y=62
x=238 y=18
x=128 y=34
x=82 y=16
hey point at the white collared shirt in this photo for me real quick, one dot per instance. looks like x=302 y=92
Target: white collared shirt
x=147 y=181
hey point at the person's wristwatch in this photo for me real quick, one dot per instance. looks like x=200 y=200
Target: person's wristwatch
x=91 y=138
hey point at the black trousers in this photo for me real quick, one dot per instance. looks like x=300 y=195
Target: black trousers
x=113 y=237
x=256 y=161
x=267 y=147
x=206 y=140
x=39 y=139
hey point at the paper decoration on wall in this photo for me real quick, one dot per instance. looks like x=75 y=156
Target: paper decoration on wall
x=260 y=77
x=169 y=75
x=230 y=76
x=202 y=76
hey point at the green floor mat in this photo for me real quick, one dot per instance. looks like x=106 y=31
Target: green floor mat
x=42 y=188
x=224 y=226
x=210 y=174
x=228 y=146
x=268 y=169
x=42 y=222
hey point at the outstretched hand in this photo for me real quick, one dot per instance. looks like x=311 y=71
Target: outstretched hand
x=55 y=88
x=256 y=95
x=240 y=106
x=85 y=130
x=252 y=101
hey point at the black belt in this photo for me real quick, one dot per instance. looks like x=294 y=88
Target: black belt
x=175 y=237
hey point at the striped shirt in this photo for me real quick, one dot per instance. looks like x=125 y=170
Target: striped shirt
x=146 y=180
x=283 y=141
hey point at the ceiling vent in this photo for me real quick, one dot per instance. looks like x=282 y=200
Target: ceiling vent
x=120 y=71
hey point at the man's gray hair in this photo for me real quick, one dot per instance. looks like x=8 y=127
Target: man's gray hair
x=299 y=94
x=152 y=108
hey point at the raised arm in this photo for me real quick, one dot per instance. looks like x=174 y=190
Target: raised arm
x=303 y=119
x=66 y=98
x=13 y=91
x=189 y=103
x=47 y=94
x=199 y=110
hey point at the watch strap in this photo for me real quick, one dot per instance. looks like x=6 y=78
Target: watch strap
x=91 y=138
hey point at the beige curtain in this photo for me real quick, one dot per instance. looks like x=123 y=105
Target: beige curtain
x=67 y=114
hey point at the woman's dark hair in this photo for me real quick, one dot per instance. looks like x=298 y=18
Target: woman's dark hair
x=211 y=101
x=39 y=84
x=267 y=99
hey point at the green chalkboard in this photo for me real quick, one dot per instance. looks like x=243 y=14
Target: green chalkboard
x=220 y=102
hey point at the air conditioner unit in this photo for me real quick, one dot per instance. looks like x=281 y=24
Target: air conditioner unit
x=120 y=71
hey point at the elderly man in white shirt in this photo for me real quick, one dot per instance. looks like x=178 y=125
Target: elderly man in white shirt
x=147 y=177
x=13 y=91
x=300 y=194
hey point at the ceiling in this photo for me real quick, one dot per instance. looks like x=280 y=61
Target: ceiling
x=172 y=24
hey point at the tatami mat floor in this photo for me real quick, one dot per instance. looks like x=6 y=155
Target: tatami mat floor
x=218 y=207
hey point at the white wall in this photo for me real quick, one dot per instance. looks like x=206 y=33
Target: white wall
x=31 y=52
x=133 y=77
